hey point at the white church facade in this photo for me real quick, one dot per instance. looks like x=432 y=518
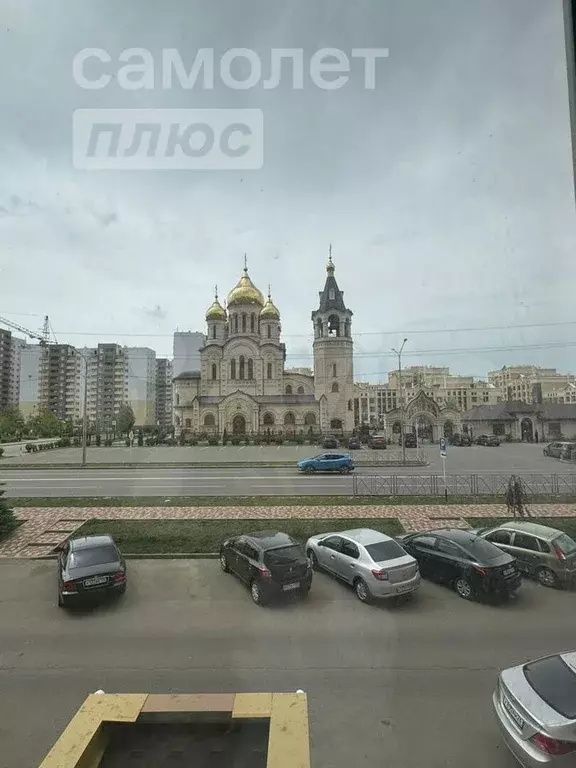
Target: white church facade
x=243 y=387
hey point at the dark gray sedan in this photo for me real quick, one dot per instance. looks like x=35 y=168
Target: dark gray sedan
x=88 y=567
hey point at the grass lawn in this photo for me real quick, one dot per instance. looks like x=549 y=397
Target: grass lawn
x=566 y=524
x=141 y=537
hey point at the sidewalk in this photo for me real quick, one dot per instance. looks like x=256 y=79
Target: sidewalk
x=44 y=528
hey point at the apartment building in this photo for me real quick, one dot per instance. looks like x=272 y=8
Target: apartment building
x=533 y=384
x=164 y=374
x=5 y=368
x=459 y=393
x=186 y=351
x=30 y=357
x=142 y=384
x=61 y=380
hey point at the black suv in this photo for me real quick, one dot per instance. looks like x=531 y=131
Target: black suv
x=89 y=566
x=329 y=442
x=410 y=441
x=462 y=559
x=271 y=563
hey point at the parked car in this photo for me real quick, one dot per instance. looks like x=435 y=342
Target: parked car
x=375 y=564
x=473 y=566
x=271 y=563
x=461 y=440
x=354 y=444
x=535 y=706
x=546 y=554
x=329 y=442
x=410 y=441
x=327 y=462
x=378 y=442
x=89 y=566
x=493 y=440
x=559 y=448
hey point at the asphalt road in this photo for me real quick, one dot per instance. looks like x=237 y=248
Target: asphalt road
x=231 y=481
x=399 y=686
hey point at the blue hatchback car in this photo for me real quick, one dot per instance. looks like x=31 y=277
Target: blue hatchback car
x=327 y=462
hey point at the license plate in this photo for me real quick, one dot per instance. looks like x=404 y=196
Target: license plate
x=405 y=588
x=95 y=581
x=512 y=712
x=288 y=587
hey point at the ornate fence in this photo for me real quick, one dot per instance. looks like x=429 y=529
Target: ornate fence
x=461 y=485
x=388 y=458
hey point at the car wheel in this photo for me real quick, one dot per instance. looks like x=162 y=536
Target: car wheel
x=256 y=592
x=463 y=588
x=61 y=603
x=309 y=470
x=344 y=470
x=122 y=589
x=362 y=591
x=304 y=592
x=224 y=563
x=547 y=577
x=313 y=559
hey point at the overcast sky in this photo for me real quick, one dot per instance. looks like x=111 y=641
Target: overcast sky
x=446 y=191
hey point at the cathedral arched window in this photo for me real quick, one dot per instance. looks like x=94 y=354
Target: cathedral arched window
x=289 y=419
x=209 y=420
x=188 y=422
x=331 y=294
x=232 y=369
x=349 y=405
x=334 y=325
x=334 y=370
x=252 y=323
x=243 y=323
x=250 y=368
x=320 y=328
x=269 y=332
x=214 y=371
x=268 y=420
x=242 y=367
x=300 y=390
x=236 y=323
x=289 y=389
x=310 y=419
x=335 y=387
x=269 y=371
x=177 y=399
x=213 y=331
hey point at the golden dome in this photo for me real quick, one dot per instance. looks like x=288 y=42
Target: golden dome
x=216 y=311
x=270 y=311
x=245 y=292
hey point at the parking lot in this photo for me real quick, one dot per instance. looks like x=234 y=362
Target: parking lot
x=398 y=686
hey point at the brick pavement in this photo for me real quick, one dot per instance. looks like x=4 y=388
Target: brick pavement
x=45 y=527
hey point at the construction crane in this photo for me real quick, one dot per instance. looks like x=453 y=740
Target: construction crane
x=42 y=336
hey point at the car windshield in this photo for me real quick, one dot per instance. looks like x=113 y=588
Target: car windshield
x=555 y=682
x=483 y=551
x=565 y=544
x=83 y=558
x=282 y=555
x=385 y=550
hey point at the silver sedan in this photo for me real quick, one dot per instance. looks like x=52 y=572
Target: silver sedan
x=535 y=705
x=375 y=564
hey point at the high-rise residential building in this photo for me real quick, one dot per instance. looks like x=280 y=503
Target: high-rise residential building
x=164 y=376
x=17 y=345
x=186 y=351
x=142 y=384
x=5 y=368
x=120 y=376
x=61 y=381
x=531 y=383
x=29 y=379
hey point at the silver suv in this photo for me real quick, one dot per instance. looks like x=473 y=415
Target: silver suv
x=547 y=554
x=560 y=449
x=375 y=564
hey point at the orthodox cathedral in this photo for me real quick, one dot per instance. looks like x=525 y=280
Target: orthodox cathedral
x=243 y=386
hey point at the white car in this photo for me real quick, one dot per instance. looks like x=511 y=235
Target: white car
x=373 y=563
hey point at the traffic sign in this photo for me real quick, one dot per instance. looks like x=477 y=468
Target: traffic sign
x=443 y=447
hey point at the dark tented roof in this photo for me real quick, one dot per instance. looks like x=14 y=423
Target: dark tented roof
x=187 y=375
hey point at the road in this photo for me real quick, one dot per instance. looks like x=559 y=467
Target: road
x=394 y=686
x=238 y=481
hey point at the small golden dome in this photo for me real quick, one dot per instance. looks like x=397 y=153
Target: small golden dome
x=216 y=311
x=270 y=311
x=245 y=292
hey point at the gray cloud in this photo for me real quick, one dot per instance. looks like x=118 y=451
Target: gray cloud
x=446 y=192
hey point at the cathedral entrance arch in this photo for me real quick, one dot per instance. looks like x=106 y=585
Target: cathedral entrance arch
x=423 y=427
x=527 y=429
x=239 y=425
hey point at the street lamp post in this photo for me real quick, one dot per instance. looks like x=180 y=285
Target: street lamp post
x=402 y=436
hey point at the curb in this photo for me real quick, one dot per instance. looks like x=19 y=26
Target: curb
x=145 y=556
x=193 y=465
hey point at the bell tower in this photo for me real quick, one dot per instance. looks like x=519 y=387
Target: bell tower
x=333 y=356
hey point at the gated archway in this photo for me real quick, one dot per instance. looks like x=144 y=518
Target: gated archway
x=527 y=430
x=448 y=429
x=239 y=425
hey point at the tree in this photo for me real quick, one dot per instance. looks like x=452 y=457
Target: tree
x=8 y=521
x=12 y=423
x=45 y=424
x=125 y=419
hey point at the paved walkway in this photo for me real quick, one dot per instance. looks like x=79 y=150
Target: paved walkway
x=44 y=528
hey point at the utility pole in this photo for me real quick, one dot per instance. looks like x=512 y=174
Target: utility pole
x=85 y=409
x=402 y=436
